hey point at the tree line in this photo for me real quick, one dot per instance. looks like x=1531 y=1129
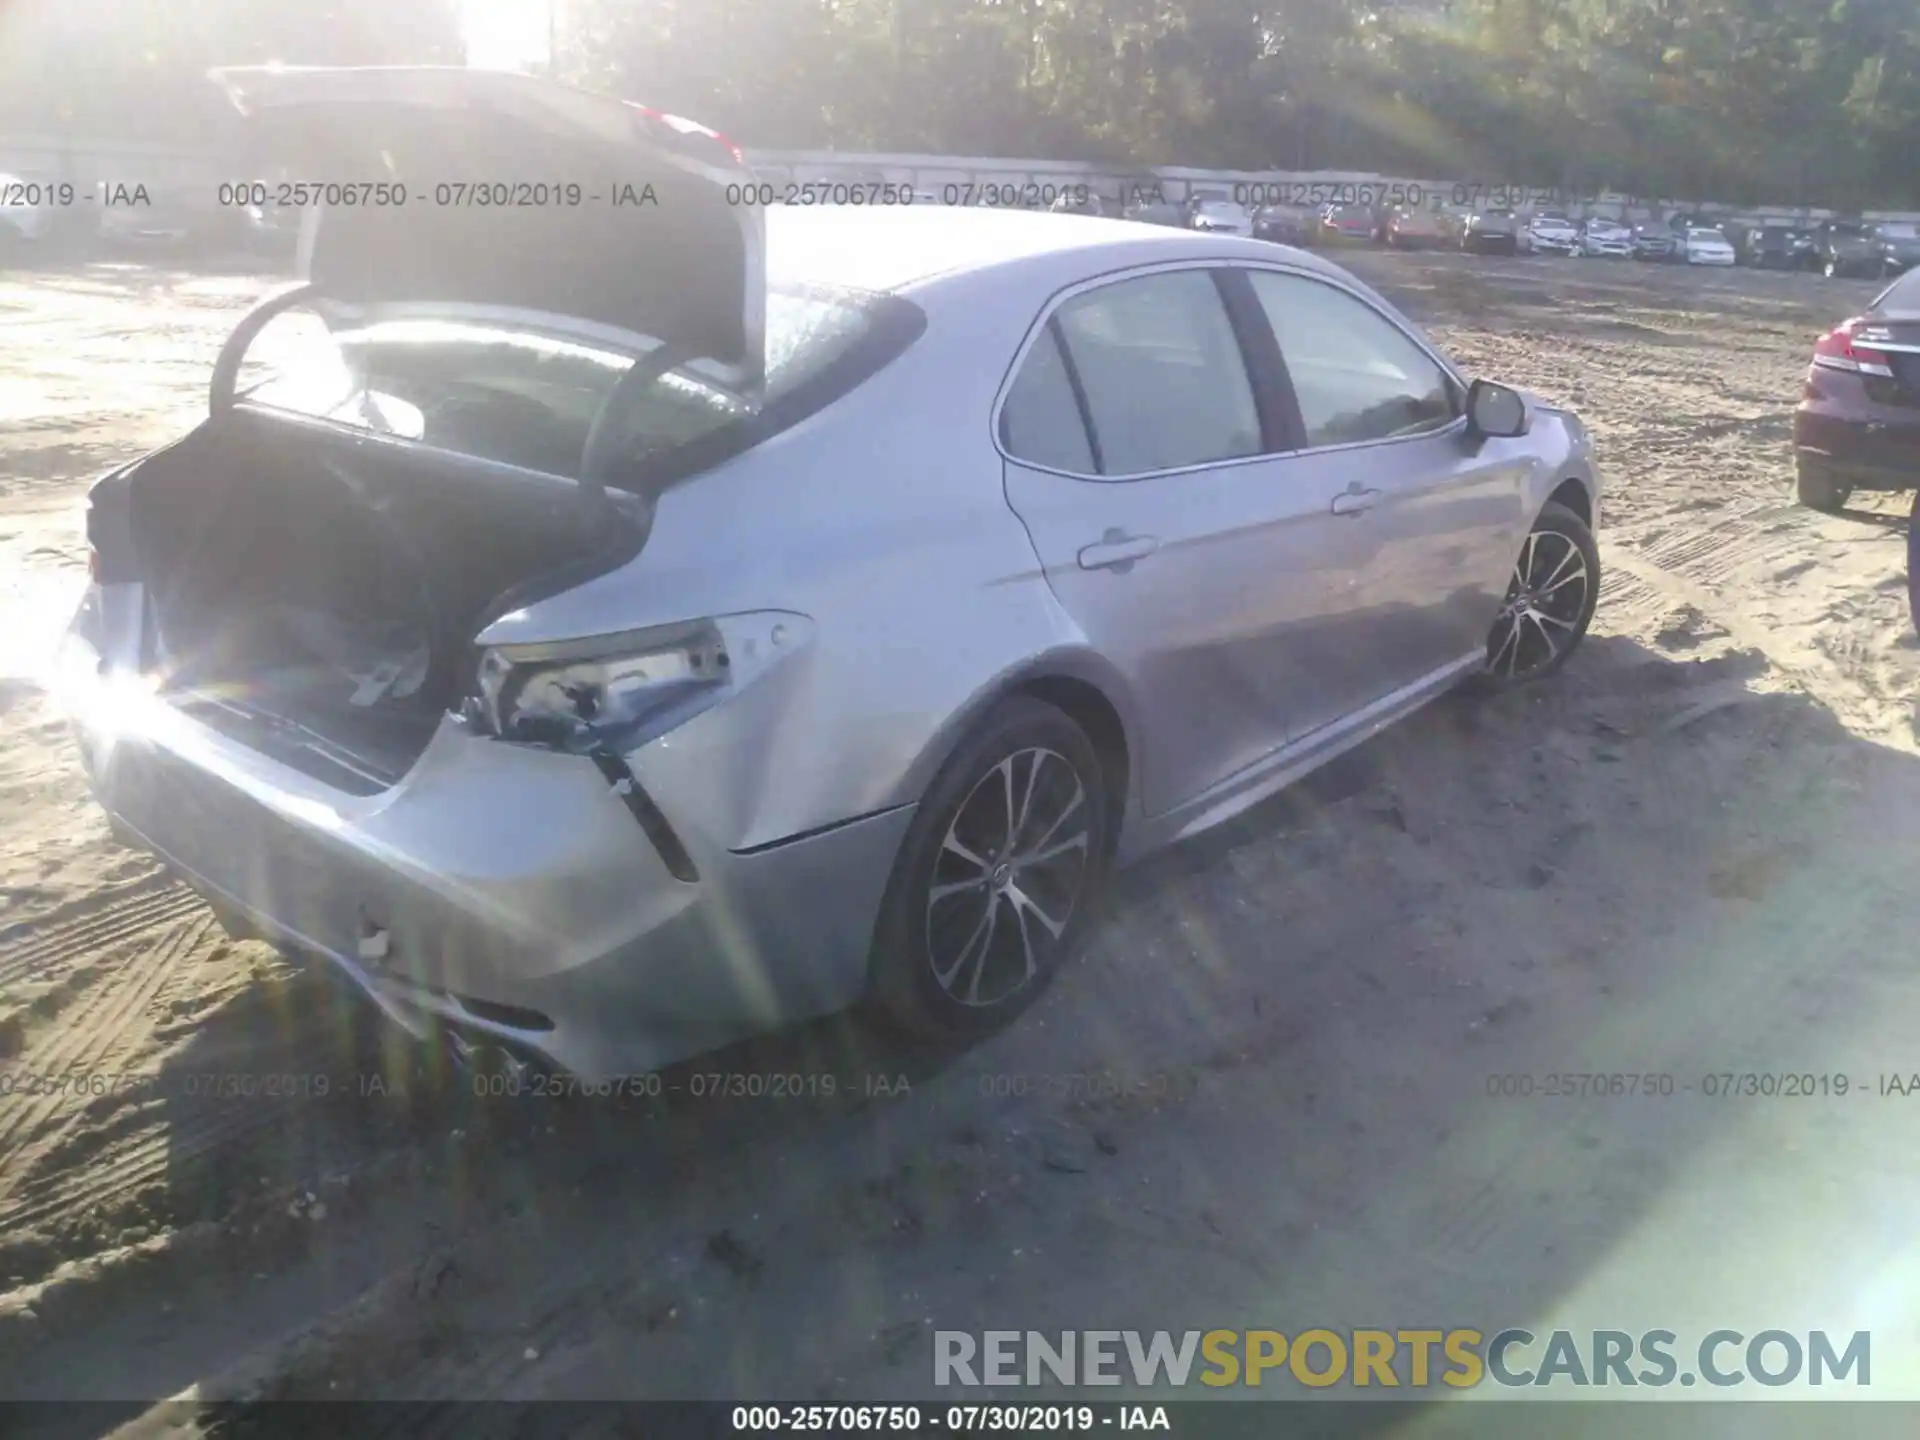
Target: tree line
x=1749 y=101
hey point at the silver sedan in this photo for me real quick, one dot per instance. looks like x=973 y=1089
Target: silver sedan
x=611 y=628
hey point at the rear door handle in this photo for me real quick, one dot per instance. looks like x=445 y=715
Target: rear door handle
x=1354 y=501
x=1117 y=550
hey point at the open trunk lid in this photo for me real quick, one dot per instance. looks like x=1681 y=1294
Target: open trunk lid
x=446 y=187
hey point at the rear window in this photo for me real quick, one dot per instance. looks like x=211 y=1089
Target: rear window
x=1899 y=230
x=527 y=397
x=1903 y=294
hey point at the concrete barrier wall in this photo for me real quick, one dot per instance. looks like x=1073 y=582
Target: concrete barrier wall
x=191 y=179
x=933 y=172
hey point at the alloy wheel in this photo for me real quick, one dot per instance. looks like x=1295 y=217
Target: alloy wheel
x=1009 y=875
x=1546 y=600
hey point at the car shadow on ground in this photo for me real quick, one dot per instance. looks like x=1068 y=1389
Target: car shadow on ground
x=1473 y=889
x=1885 y=520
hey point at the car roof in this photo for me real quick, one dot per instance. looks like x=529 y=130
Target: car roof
x=901 y=248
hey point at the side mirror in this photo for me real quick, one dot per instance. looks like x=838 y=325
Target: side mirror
x=1496 y=410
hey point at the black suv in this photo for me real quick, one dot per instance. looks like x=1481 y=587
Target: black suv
x=1777 y=247
x=1847 y=247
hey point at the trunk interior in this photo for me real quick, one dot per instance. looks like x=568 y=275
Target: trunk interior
x=316 y=593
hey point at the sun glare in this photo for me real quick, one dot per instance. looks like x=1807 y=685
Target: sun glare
x=506 y=34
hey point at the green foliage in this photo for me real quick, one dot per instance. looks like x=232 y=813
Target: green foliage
x=136 y=69
x=1784 y=101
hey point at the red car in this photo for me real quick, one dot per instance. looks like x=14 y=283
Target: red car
x=1857 y=426
x=1350 y=225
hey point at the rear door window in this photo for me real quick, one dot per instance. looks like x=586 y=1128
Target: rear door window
x=1162 y=373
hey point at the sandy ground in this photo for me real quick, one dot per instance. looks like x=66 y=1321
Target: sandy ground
x=1259 y=1099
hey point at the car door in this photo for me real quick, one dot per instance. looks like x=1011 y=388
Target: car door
x=1141 y=456
x=1432 y=514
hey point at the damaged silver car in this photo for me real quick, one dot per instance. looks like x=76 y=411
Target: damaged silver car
x=625 y=625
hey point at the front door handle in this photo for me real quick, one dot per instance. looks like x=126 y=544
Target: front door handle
x=1354 y=501
x=1117 y=550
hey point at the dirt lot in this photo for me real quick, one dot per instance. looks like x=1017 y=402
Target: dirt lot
x=1262 y=1096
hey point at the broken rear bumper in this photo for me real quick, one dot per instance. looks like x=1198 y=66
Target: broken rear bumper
x=499 y=890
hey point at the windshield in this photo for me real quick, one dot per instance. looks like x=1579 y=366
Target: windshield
x=528 y=397
x=1898 y=230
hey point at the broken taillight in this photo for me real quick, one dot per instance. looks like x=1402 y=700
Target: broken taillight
x=1837 y=350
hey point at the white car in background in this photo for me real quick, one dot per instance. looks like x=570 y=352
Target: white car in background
x=1708 y=247
x=1218 y=214
x=1552 y=232
x=1606 y=238
x=24 y=209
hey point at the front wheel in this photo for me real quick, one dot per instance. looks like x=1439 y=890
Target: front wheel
x=1004 y=858
x=1549 y=601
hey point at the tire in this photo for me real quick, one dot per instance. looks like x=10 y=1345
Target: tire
x=1536 y=632
x=954 y=876
x=1816 y=488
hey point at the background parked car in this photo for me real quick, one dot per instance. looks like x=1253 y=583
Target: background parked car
x=1491 y=232
x=1152 y=209
x=1552 y=232
x=1707 y=246
x=1217 y=213
x=1600 y=236
x=1857 y=426
x=1453 y=222
x=1414 y=227
x=1778 y=247
x=1285 y=224
x=1846 y=247
x=1899 y=246
x=1349 y=225
x=1084 y=202
x=1655 y=242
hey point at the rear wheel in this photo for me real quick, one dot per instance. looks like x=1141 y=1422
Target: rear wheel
x=1549 y=601
x=998 y=870
x=1815 y=487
